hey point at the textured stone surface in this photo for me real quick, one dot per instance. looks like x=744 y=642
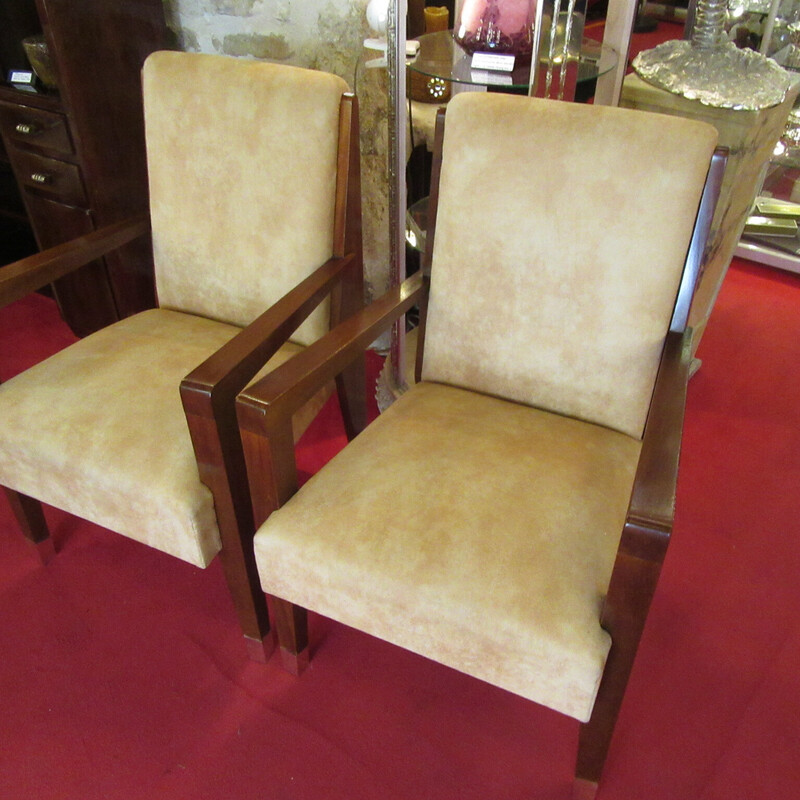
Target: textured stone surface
x=750 y=137
x=320 y=34
x=273 y=46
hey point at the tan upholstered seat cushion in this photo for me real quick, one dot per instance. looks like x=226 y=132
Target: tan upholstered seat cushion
x=471 y=530
x=99 y=431
x=573 y=221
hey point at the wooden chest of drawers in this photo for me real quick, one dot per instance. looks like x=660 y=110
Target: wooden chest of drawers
x=39 y=146
x=78 y=154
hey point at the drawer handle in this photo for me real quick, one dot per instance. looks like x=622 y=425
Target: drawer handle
x=27 y=128
x=41 y=178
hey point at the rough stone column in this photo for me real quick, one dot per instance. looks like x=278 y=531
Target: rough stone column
x=319 y=34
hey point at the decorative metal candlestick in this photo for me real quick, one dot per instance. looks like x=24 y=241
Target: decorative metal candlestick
x=711 y=69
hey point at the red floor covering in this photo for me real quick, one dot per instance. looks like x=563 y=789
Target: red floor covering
x=123 y=675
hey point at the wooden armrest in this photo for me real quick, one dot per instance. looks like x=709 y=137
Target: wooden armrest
x=652 y=507
x=29 y=274
x=280 y=393
x=208 y=394
x=223 y=375
x=264 y=410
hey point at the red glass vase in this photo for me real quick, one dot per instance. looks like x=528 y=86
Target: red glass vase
x=496 y=26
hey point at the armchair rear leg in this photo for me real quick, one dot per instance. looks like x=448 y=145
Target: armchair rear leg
x=30 y=517
x=351 y=388
x=291 y=623
x=624 y=616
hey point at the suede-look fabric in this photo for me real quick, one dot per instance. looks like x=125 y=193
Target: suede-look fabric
x=242 y=165
x=474 y=531
x=99 y=431
x=561 y=236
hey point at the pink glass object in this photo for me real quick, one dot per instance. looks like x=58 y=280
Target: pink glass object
x=496 y=26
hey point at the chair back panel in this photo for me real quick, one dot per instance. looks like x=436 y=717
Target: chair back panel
x=560 y=241
x=242 y=160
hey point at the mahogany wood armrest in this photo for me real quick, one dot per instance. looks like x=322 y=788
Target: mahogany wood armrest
x=650 y=514
x=280 y=393
x=265 y=410
x=208 y=395
x=29 y=274
x=216 y=382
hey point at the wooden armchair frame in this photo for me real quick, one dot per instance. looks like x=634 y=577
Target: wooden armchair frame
x=208 y=392
x=265 y=410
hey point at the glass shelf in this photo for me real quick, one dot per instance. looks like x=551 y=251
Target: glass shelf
x=441 y=57
x=778 y=202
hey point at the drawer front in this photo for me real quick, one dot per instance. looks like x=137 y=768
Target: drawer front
x=58 y=179
x=34 y=127
x=84 y=296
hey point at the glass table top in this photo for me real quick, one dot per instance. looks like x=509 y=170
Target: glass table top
x=441 y=57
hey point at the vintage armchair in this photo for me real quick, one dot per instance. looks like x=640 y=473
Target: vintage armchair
x=255 y=213
x=508 y=515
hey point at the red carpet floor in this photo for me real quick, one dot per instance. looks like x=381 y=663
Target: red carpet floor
x=123 y=676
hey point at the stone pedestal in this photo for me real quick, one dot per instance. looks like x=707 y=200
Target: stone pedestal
x=750 y=137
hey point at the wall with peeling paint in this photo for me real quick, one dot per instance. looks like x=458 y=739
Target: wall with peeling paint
x=319 y=34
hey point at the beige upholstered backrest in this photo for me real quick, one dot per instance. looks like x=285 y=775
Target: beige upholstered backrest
x=560 y=241
x=242 y=161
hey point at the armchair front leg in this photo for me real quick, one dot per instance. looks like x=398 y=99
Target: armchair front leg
x=624 y=614
x=643 y=546
x=220 y=470
x=273 y=457
x=208 y=395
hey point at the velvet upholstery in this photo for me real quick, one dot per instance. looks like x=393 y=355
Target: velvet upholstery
x=586 y=265
x=255 y=171
x=478 y=520
x=81 y=432
x=496 y=571
x=243 y=159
